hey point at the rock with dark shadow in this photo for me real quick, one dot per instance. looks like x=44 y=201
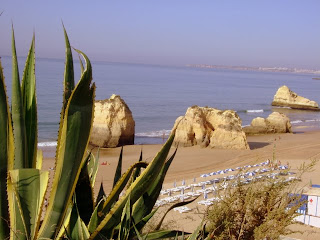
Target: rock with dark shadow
x=209 y=127
x=113 y=124
x=286 y=98
x=275 y=123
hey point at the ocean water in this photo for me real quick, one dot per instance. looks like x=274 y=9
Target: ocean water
x=157 y=95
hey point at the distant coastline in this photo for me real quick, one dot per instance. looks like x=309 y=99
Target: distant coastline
x=259 y=69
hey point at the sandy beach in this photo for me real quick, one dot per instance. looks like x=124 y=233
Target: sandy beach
x=191 y=162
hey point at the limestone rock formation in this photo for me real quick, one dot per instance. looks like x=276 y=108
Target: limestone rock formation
x=275 y=123
x=211 y=127
x=286 y=98
x=113 y=124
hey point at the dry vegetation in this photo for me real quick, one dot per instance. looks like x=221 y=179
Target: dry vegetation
x=258 y=210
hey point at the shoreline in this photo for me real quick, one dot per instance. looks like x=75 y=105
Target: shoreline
x=190 y=162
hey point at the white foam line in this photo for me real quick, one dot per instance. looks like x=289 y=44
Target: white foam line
x=159 y=133
x=47 y=144
x=255 y=111
x=297 y=121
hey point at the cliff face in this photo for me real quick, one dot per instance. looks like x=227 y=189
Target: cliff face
x=286 y=98
x=209 y=127
x=113 y=123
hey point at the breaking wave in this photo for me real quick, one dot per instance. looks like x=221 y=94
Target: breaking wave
x=159 y=133
x=47 y=144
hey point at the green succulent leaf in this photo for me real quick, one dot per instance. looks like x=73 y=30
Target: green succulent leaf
x=139 y=187
x=68 y=73
x=117 y=174
x=114 y=195
x=81 y=65
x=18 y=121
x=101 y=194
x=138 y=170
x=39 y=159
x=146 y=202
x=84 y=194
x=29 y=187
x=139 y=225
x=125 y=223
x=29 y=100
x=95 y=219
x=93 y=166
x=138 y=235
x=6 y=155
x=77 y=229
x=72 y=143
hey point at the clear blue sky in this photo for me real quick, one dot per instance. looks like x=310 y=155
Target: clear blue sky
x=253 y=33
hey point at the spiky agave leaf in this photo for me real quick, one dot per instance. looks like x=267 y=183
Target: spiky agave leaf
x=6 y=155
x=138 y=235
x=68 y=73
x=143 y=222
x=101 y=194
x=125 y=222
x=77 y=229
x=29 y=101
x=68 y=82
x=39 y=159
x=138 y=170
x=19 y=133
x=145 y=204
x=93 y=165
x=81 y=65
x=73 y=140
x=29 y=188
x=139 y=187
x=95 y=218
x=114 y=195
x=117 y=174
x=84 y=194
x=18 y=121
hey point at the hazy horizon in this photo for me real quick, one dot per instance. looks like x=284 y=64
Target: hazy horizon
x=247 y=33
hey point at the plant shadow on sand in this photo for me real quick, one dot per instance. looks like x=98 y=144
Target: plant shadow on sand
x=256 y=145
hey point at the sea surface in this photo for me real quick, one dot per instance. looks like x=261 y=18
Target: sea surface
x=157 y=95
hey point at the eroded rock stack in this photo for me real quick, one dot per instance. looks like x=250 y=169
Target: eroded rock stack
x=275 y=123
x=286 y=98
x=113 y=123
x=209 y=127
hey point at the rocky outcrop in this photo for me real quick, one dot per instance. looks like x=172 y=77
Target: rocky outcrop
x=286 y=98
x=113 y=123
x=209 y=127
x=275 y=123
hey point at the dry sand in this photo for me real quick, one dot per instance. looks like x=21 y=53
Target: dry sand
x=190 y=162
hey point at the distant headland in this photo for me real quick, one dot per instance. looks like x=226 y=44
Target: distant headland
x=260 y=69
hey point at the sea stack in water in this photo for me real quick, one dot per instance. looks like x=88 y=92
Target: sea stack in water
x=287 y=98
x=113 y=123
x=274 y=123
x=211 y=127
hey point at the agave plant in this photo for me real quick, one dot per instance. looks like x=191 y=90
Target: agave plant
x=72 y=211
